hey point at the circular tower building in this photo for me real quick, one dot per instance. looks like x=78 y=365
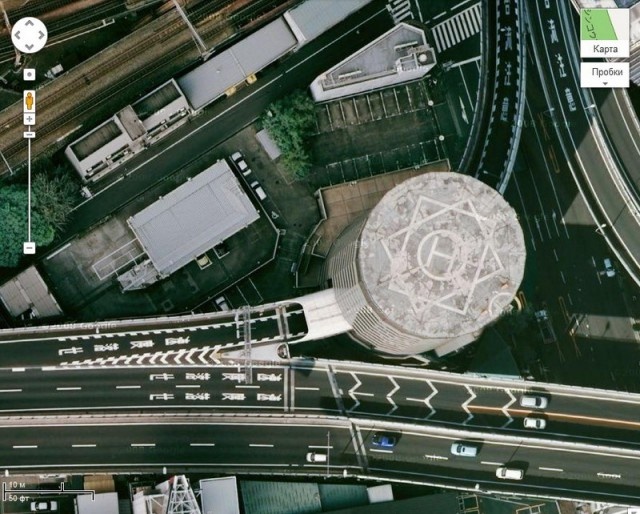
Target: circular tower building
x=440 y=257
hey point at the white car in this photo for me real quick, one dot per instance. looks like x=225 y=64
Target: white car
x=258 y=190
x=241 y=164
x=47 y=506
x=464 y=449
x=533 y=401
x=506 y=473
x=608 y=268
x=537 y=423
x=221 y=303
x=316 y=457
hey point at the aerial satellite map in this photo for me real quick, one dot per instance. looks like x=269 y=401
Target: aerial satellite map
x=320 y=256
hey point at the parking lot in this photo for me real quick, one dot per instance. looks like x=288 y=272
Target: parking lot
x=372 y=106
x=378 y=132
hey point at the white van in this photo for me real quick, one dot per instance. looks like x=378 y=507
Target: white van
x=506 y=473
x=464 y=449
x=533 y=401
x=316 y=457
x=537 y=423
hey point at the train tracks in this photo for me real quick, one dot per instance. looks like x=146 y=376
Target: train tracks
x=58 y=115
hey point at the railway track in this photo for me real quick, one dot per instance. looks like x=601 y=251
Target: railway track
x=173 y=28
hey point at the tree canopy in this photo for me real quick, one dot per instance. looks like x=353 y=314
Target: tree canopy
x=51 y=203
x=290 y=122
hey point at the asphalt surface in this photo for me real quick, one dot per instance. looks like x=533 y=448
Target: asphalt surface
x=575 y=122
x=426 y=398
x=266 y=445
x=175 y=340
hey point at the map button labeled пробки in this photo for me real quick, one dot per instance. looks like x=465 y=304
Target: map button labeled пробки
x=604 y=74
x=604 y=33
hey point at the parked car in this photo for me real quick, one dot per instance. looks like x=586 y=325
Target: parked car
x=533 y=401
x=537 y=423
x=463 y=449
x=221 y=303
x=608 y=268
x=240 y=163
x=506 y=473
x=384 y=440
x=258 y=190
x=546 y=326
x=44 y=506
x=316 y=457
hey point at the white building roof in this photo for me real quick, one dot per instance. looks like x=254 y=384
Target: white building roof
x=210 y=80
x=29 y=291
x=193 y=218
x=220 y=496
x=104 y=503
x=313 y=17
x=399 y=55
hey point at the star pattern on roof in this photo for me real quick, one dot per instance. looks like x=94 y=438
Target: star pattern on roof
x=434 y=266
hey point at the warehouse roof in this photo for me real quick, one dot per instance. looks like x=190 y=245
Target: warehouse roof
x=229 y=68
x=193 y=218
x=313 y=17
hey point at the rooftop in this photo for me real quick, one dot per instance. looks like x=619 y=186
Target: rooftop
x=441 y=255
x=399 y=55
x=313 y=17
x=229 y=68
x=193 y=218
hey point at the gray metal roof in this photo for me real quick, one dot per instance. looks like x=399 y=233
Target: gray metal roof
x=193 y=218
x=220 y=496
x=28 y=290
x=227 y=69
x=104 y=503
x=314 y=17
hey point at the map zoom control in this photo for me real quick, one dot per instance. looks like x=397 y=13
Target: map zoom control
x=29 y=35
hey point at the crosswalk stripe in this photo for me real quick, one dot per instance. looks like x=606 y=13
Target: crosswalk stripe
x=459 y=27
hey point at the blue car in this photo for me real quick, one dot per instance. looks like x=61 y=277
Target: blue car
x=384 y=440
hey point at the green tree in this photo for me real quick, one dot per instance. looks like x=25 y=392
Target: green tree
x=13 y=225
x=290 y=122
x=56 y=197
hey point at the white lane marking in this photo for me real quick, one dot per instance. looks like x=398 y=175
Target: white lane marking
x=380 y=451
x=307 y=388
x=194 y=386
x=149 y=445
x=505 y=410
x=202 y=444
x=247 y=387
x=351 y=392
x=83 y=446
x=68 y=388
x=10 y=390
x=25 y=446
x=435 y=457
x=261 y=445
x=16 y=370
x=541 y=468
x=129 y=387
x=491 y=463
x=49 y=368
x=320 y=446
x=465 y=405
x=391 y=393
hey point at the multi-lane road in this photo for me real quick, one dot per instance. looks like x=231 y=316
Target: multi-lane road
x=181 y=340
x=209 y=418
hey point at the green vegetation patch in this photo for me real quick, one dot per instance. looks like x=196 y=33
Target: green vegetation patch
x=595 y=24
x=290 y=122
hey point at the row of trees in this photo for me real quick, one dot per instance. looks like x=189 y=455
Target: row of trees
x=53 y=195
x=290 y=122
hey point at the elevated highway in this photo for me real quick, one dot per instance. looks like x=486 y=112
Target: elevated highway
x=208 y=418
